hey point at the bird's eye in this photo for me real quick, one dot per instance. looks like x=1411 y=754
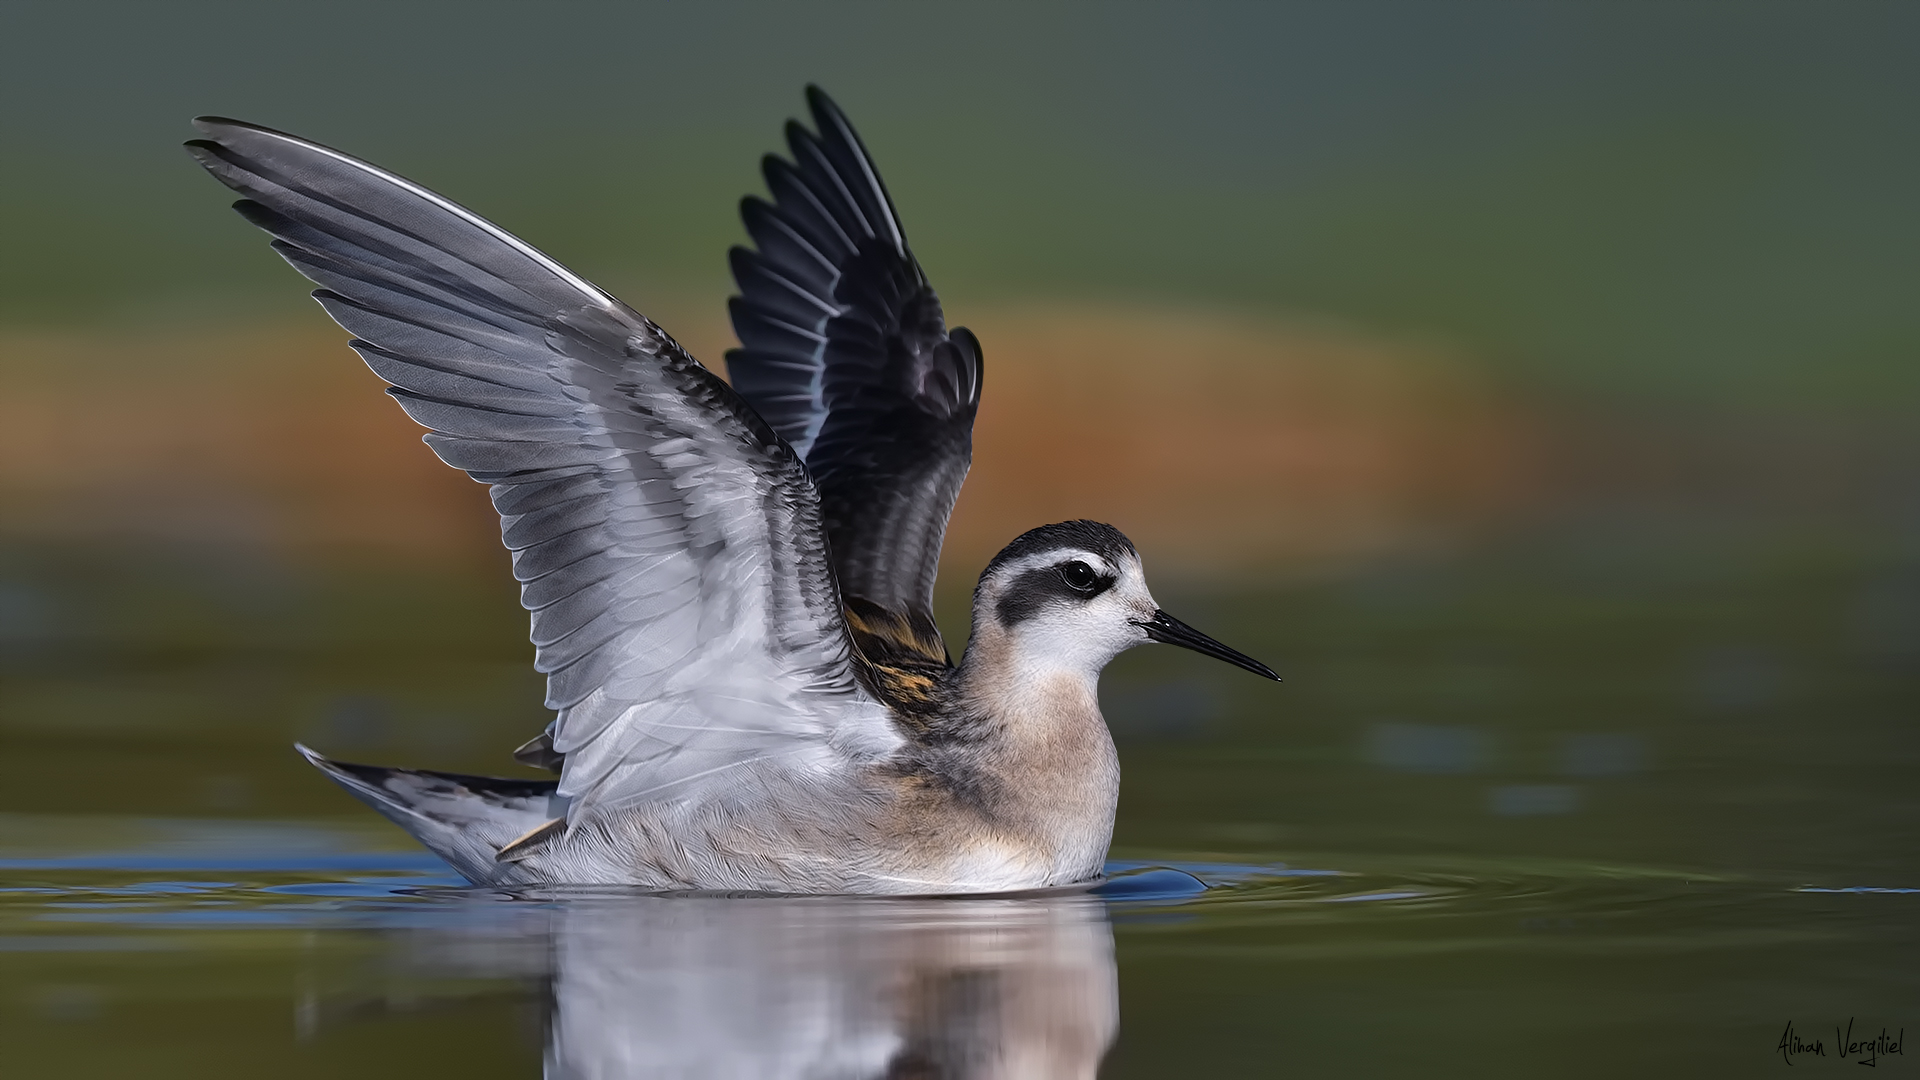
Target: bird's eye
x=1079 y=576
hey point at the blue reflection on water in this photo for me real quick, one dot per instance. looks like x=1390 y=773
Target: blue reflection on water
x=1857 y=889
x=1429 y=748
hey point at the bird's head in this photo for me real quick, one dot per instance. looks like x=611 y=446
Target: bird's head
x=1072 y=596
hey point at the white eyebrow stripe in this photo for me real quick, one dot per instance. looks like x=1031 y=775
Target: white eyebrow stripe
x=1058 y=556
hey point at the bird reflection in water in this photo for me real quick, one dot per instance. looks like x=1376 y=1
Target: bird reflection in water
x=803 y=987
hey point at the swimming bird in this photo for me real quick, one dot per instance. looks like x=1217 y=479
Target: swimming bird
x=731 y=586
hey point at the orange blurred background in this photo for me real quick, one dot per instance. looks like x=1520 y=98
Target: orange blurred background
x=1219 y=441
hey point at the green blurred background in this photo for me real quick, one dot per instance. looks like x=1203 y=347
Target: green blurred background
x=1708 y=200
x=1536 y=385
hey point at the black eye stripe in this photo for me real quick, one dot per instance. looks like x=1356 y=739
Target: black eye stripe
x=1031 y=591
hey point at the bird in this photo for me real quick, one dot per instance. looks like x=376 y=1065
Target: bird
x=730 y=580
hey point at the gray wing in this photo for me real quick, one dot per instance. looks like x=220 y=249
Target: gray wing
x=667 y=542
x=845 y=351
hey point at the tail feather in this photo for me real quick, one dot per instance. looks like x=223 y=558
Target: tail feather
x=465 y=820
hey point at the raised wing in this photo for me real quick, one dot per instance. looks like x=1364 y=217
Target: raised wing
x=667 y=542
x=846 y=353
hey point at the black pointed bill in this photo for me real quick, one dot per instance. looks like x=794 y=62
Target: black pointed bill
x=1164 y=627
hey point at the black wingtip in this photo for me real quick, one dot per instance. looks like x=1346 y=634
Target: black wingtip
x=770 y=167
x=829 y=118
x=218 y=146
x=223 y=130
x=824 y=109
x=799 y=136
x=215 y=126
x=211 y=124
x=741 y=261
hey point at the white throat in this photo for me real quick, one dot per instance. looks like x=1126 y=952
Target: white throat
x=1067 y=641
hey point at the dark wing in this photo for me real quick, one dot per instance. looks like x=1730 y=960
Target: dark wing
x=845 y=352
x=667 y=542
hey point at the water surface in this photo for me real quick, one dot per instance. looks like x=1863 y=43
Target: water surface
x=290 y=949
x=1575 y=809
